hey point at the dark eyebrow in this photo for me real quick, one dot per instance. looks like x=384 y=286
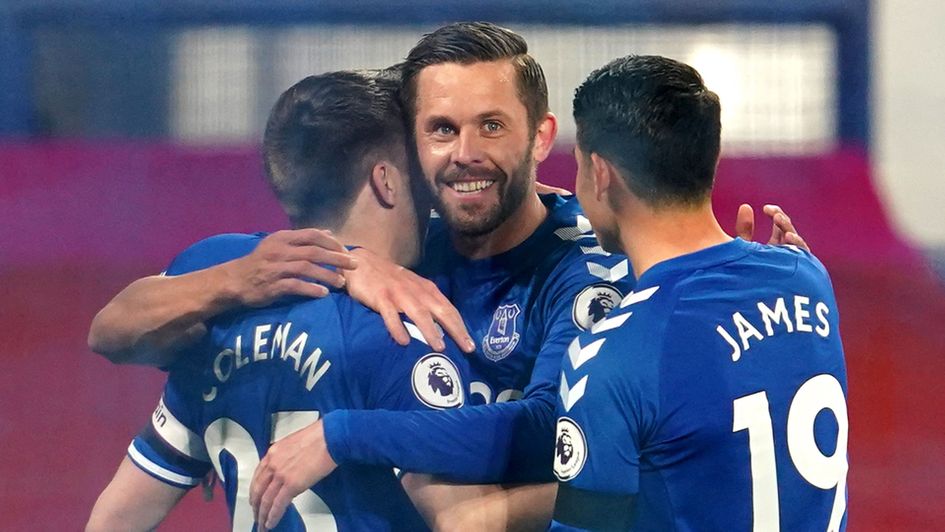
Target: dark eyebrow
x=495 y=113
x=437 y=119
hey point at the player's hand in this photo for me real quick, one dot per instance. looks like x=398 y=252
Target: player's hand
x=390 y=289
x=291 y=465
x=782 y=230
x=542 y=188
x=289 y=262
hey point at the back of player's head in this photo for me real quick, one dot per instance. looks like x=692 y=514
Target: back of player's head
x=475 y=42
x=323 y=136
x=655 y=120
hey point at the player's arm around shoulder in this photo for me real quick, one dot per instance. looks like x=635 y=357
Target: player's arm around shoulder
x=392 y=290
x=153 y=318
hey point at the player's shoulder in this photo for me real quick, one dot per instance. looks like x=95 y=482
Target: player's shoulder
x=618 y=361
x=638 y=319
x=214 y=250
x=438 y=379
x=575 y=272
x=748 y=266
x=807 y=262
x=293 y=324
x=367 y=335
x=785 y=253
x=626 y=345
x=579 y=254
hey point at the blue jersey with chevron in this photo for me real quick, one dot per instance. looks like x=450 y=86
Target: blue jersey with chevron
x=522 y=307
x=712 y=398
x=262 y=374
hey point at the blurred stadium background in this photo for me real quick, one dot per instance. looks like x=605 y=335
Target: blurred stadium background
x=129 y=129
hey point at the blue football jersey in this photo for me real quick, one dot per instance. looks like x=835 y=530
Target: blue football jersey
x=714 y=396
x=261 y=374
x=531 y=299
x=522 y=307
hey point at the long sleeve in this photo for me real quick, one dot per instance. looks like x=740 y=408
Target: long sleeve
x=504 y=442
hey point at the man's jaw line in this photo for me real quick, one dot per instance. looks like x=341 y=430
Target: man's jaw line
x=489 y=240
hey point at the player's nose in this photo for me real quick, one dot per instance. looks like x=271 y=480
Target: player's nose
x=469 y=149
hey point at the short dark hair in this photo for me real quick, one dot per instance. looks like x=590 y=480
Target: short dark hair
x=320 y=136
x=475 y=42
x=654 y=119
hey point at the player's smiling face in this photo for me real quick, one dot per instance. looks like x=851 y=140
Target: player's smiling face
x=474 y=143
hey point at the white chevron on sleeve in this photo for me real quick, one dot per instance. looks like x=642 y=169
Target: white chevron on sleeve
x=583 y=224
x=582 y=229
x=569 y=396
x=579 y=355
x=607 y=324
x=637 y=297
x=611 y=275
x=594 y=250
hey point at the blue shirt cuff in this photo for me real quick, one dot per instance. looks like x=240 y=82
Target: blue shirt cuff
x=337 y=435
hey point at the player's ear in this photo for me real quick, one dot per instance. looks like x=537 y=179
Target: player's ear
x=603 y=174
x=545 y=136
x=383 y=183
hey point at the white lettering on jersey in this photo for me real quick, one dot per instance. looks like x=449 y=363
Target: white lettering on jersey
x=176 y=434
x=822 y=310
x=485 y=391
x=771 y=315
x=259 y=342
x=312 y=368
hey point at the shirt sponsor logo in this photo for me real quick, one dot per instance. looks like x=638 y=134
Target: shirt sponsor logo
x=436 y=382
x=503 y=335
x=570 y=449
x=593 y=304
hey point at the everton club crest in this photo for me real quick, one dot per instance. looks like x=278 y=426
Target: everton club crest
x=503 y=334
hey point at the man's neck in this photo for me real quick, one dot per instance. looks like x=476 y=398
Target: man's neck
x=510 y=233
x=654 y=236
x=374 y=235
